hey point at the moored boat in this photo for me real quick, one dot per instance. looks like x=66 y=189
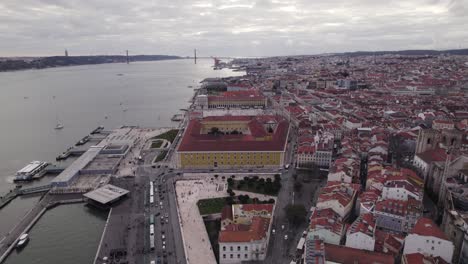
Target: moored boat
x=23 y=240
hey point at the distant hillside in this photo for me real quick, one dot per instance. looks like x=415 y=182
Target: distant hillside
x=406 y=52
x=59 y=61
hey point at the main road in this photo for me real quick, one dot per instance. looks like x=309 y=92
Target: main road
x=167 y=234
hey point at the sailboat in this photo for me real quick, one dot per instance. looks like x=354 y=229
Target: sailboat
x=59 y=125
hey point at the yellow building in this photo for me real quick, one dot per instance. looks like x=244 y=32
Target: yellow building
x=234 y=141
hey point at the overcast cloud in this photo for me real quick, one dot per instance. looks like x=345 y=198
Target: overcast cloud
x=229 y=27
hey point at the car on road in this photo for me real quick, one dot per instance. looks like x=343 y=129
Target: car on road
x=285 y=237
x=163 y=237
x=273 y=231
x=167 y=215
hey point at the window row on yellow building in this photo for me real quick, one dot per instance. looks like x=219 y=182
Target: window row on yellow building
x=231 y=159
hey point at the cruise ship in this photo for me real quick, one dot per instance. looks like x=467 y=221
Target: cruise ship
x=28 y=172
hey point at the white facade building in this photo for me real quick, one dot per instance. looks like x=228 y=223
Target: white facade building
x=427 y=238
x=243 y=251
x=361 y=234
x=399 y=193
x=340 y=176
x=245 y=232
x=360 y=240
x=352 y=124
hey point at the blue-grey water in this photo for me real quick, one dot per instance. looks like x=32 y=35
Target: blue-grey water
x=81 y=98
x=66 y=234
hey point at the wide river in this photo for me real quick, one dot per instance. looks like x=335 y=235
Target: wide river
x=81 y=98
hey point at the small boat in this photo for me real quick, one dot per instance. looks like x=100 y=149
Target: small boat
x=23 y=240
x=59 y=125
x=177 y=117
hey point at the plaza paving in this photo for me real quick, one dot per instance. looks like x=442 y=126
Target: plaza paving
x=196 y=242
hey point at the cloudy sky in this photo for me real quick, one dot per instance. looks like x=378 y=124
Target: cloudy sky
x=229 y=27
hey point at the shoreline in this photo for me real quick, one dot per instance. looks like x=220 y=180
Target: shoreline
x=84 y=64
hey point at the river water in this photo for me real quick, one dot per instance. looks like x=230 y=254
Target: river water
x=81 y=98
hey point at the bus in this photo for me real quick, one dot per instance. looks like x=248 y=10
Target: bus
x=152 y=242
x=151 y=219
x=151 y=199
x=300 y=245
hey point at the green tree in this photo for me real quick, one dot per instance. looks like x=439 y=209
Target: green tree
x=296 y=214
x=230 y=182
x=215 y=131
x=277 y=177
x=229 y=200
x=244 y=199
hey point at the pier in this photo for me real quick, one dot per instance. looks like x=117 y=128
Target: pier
x=8 y=198
x=78 y=149
x=18 y=191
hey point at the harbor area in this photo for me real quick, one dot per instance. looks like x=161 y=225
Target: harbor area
x=103 y=176
x=125 y=223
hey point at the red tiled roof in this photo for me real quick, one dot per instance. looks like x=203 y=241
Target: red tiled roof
x=391 y=206
x=426 y=227
x=245 y=233
x=326 y=219
x=418 y=258
x=391 y=242
x=238 y=95
x=226 y=213
x=194 y=141
x=364 y=224
x=429 y=156
x=257 y=207
x=440 y=121
x=306 y=150
x=347 y=255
